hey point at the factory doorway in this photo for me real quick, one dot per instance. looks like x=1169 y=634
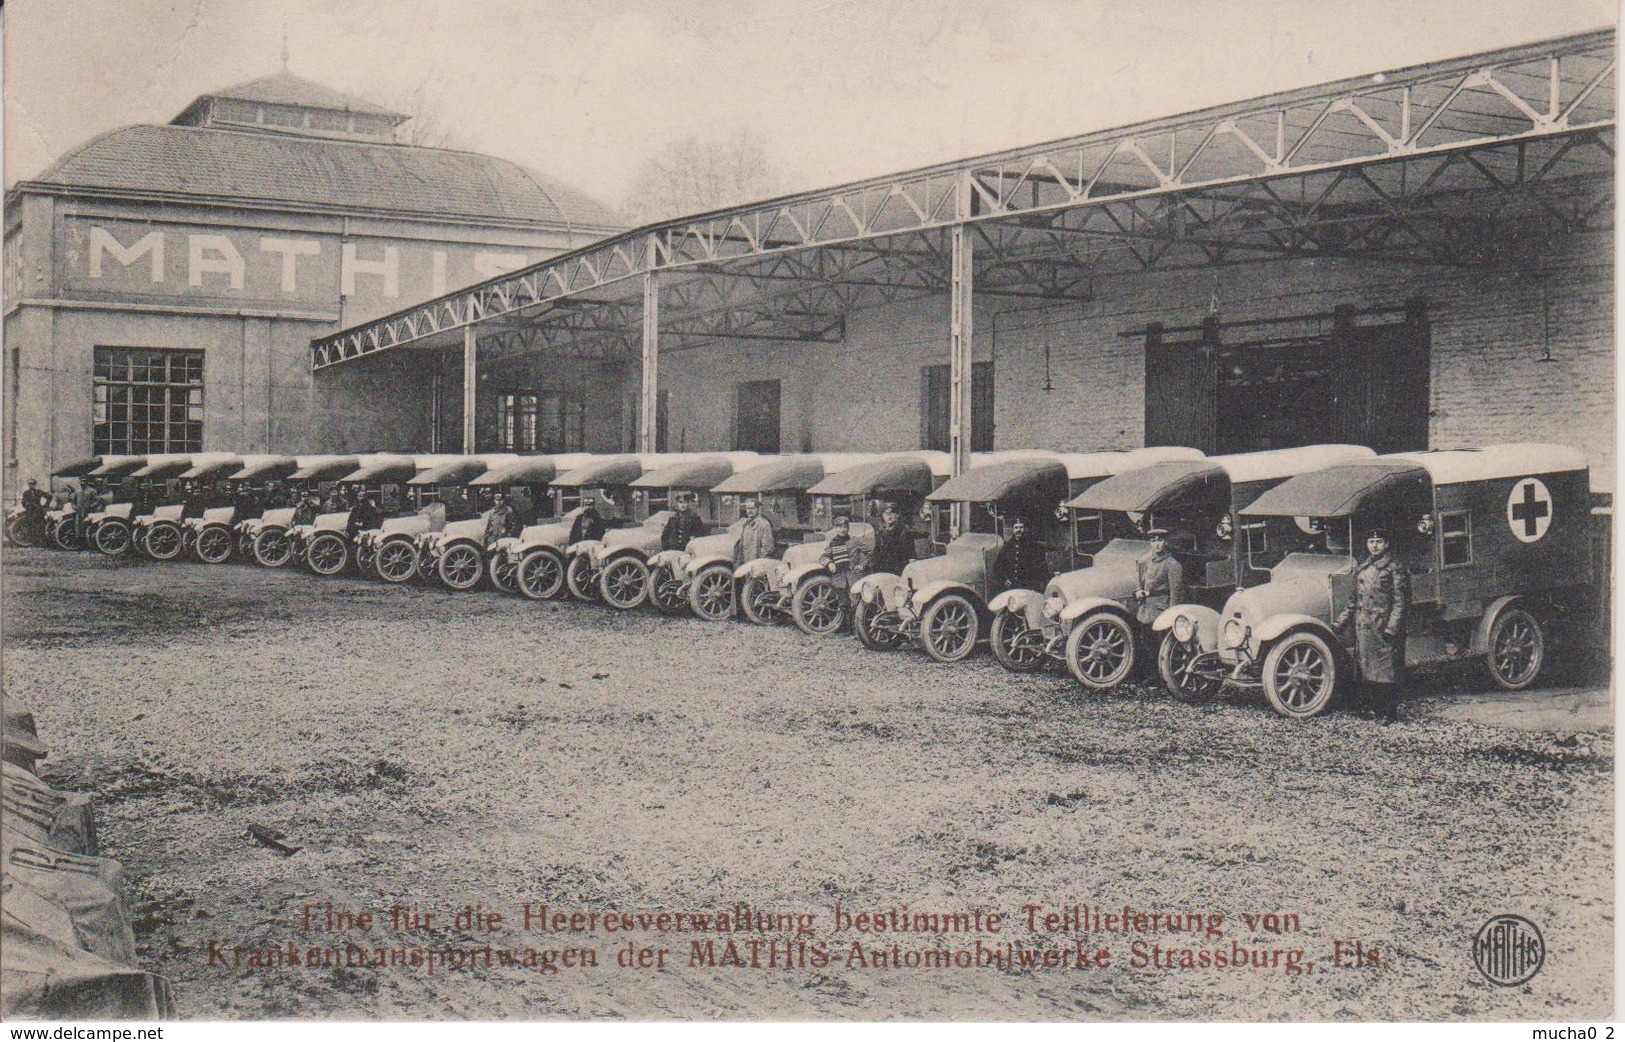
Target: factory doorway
x=756 y=416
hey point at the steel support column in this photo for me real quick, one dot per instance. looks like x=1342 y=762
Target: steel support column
x=470 y=384
x=649 y=402
x=961 y=294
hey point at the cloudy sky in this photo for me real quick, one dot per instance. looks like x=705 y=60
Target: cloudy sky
x=838 y=89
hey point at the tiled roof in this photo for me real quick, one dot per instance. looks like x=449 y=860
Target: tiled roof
x=284 y=88
x=293 y=169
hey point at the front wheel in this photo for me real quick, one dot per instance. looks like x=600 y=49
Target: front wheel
x=1300 y=675
x=327 y=553
x=214 y=544
x=396 y=561
x=501 y=573
x=164 y=541
x=113 y=537
x=541 y=575
x=1018 y=647
x=271 y=548
x=818 y=607
x=582 y=578
x=667 y=592
x=461 y=567
x=711 y=595
x=20 y=531
x=624 y=583
x=757 y=600
x=865 y=619
x=1100 y=650
x=65 y=534
x=949 y=628
x=1517 y=650
x=1174 y=658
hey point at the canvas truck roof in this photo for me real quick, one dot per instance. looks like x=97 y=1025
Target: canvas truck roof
x=1339 y=490
x=167 y=465
x=1035 y=477
x=265 y=468
x=1512 y=460
x=212 y=464
x=382 y=468
x=79 y=467
x=702 y=472
x=604 y=470
x=457 y=472
x=783 y=474
x=324 y=468
x=889 y=474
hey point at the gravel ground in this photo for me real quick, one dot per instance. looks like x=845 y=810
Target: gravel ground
x=420 y=746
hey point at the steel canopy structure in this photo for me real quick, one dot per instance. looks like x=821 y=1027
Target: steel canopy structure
x=1469 y=162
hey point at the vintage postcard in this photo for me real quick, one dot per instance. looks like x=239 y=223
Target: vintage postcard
x=818 y=510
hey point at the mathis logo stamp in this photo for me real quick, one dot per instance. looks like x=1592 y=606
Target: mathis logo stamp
x=1509 y=950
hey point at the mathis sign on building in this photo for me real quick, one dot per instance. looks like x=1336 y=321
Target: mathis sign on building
x=272 y=270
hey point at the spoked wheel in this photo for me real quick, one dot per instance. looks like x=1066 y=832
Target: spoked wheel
x=214 y=545
x=711 y=595
x=541 y=575
x=113 y=538
x=20 y=532
x=1100 y=650
x=365 y=557
x=65 y=533
x=271 y=548
x=164 y=541
x=461 y=566
x=1173 y=661
x=864 y=619
x=667 y=593
x=818 y=607
x=503 y=575
x=949 y=628
x=1300 y=675
x=396 y=561
x=1018 y=647
x=758 y=602
x=1517 y=650
x=327 y=553
x=582 y=578
x=624 y=583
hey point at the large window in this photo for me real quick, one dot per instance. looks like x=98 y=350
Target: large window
x=936 y=406
x=148 y=401
x=546 y=421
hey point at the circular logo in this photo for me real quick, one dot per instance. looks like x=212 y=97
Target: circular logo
x=1509 y=950
x=1529 y=509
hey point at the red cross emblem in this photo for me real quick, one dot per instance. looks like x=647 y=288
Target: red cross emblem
x=1529 y=510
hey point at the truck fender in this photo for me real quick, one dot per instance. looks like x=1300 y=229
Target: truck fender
x=931 y=591
x=873 y=587
x=675 y=560
x=1088 y=605
x=792 y=579
x=1272 y=628
x=1029 y=602
x=761 y=567
x=1481 y=635
x=586 y=546
x=616 y=553
x=1207 y=622
x=699 y=564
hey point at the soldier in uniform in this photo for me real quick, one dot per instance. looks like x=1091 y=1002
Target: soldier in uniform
x=894 y=542
x=499 y=521
x=35 y=502
x=756 y=538
x=683 y=525
x=1161 y=579
x=589 y=525
x=1382 y=594
x=1021 y=564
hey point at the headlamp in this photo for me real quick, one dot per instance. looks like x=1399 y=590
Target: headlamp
x=1184 y=629
x=1235 y=633
x=1053 y=606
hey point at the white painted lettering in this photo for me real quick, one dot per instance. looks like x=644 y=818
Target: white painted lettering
x=151 y=244
x=389 y=268
x=291 y=250
x=213 y=254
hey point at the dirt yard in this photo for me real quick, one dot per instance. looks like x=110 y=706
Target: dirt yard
x=443 y=750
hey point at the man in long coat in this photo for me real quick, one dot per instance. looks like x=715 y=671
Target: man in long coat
x=756 y=538
x=1382 y=594
x=1161 y=578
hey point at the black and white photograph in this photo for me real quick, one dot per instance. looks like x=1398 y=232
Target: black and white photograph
x=808 y=510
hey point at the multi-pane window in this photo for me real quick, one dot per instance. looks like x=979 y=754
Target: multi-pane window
x=528 y=421
x=148 y=401
x=1456 y=538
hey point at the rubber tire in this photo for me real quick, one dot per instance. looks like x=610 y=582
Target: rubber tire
x=364 y=560
x=501 y=573
x=390 y=551
x=944 y=608
x=704 y=593
x=1536 y=636
x=113 y=538
x=863 y=616
x=606 y=583
x=526 y=577
x=461 y=567
x=1314 y=645
x=65 y=534
x=1104 y=624
x=17 y=531
x=271 y=548
x=819 y=591
x=750 y=593
x=331 y=565
x=999 y=636
x=216 y=536
x=170 y=541
x=1170 y=661
x=582 y=579
x=659 y=579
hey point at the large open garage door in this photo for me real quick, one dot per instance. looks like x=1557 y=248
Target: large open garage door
x=1248 y=386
